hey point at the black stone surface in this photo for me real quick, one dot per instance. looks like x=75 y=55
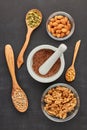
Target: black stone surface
x=13 y=31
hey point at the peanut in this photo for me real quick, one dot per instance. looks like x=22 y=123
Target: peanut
x=51 y=24
x=63 y=21
x=54 y=24
x=58 y=31
x=60 y=26
x=62 y=35
x=48 y=28
x=52 y=20
x=64 y=30
x=59 y=16
x=58 y=35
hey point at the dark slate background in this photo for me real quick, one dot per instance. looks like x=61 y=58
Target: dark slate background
x=13 y=31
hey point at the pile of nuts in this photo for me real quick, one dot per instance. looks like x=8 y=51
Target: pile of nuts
x=20 y=100
x=33 y=18
x=59 y=26
x=70 y=75
x=59 y=102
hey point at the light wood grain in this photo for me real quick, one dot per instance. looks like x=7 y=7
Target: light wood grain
x=20 y=59
x=76 y=51
x=11 y=65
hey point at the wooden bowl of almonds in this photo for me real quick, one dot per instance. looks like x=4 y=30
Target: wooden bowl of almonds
x=60 y=102
x=60 y=26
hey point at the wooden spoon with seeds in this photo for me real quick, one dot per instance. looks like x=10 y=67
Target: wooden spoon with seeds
x=33 y=20
x=18 y=96
x=71 y=73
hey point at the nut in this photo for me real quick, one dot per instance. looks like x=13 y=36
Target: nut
x=59 y=26
x=59 y=101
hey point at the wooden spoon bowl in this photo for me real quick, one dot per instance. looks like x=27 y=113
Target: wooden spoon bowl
x=70 y=74
x=28 y=18
x=19 y=99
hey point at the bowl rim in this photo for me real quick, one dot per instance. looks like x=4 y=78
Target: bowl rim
x=71 y=20
x=37 y=77
x=75 y=111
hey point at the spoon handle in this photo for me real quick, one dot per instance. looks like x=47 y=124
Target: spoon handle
x=10 y=62
x=20 y=59
x=76 y=51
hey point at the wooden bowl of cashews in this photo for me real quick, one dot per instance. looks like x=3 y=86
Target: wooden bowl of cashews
x=60 y=26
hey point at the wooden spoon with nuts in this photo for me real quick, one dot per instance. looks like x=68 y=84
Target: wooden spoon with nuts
x=33 y=20
x=71 y=73
x=18 y=96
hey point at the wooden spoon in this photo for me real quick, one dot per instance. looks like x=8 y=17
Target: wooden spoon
x=71 y=73
x=30 y=29
x=18 y=96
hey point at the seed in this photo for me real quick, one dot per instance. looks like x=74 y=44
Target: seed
x=52 y=20
x=67 y=33
x=50 y=23
x=69 y=26
x=58 y=21
x=33 y=19
x=62 y=34
x=58 y=31
x=56 y=17
x=63 y=21
x=51 y=30
x=58 y=35
x=59 y=16
x=60 y=26
x=55 y=24
x=48 y=27
x=66 y=19
x=64 y=30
